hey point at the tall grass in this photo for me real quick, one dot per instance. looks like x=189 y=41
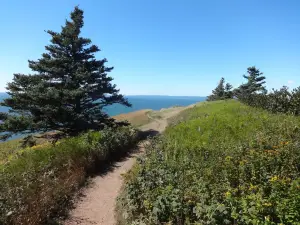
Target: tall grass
x=37 y=182
x=219 y=163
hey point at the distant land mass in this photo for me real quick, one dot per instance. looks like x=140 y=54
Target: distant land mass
x=139 y=102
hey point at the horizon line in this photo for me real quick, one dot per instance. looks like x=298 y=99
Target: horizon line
x=3 y=92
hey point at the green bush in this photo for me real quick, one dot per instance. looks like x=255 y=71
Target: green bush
x=37 y=182
x=220 y=163
x=278 y=101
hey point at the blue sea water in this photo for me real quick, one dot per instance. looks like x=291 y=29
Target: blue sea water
x=152 y=102
x=139 y=102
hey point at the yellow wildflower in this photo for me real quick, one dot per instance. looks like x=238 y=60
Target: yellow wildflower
x=252 y=187
x=284 y=143
x=228 y=158
x=35 y=147
x=39 y=146
x=272 y=152
x=243 y=162
x=275 y=178
x=228 y=194
x=147 y=204
x=267 y=204
x=252 y=151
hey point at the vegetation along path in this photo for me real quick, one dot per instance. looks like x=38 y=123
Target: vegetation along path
x=99 y=198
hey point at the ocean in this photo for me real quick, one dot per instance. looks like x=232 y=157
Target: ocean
x=138 y=102
x=154 y=102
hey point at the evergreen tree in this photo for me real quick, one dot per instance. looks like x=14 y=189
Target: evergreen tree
x=255 y=83
x=67 y=91
x=218 y=92
x=228 y=91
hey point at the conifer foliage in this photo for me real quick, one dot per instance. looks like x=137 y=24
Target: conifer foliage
x=255 y=83
x=221 y=92
x=66 y=92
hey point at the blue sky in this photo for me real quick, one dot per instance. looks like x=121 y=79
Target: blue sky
x=165 y=47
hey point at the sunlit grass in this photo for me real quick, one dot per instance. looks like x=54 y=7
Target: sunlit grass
x=219 y=163
x=9 y=148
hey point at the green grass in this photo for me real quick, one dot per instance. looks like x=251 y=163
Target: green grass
x=219 y=163
x=37 y=182
x=9 y=148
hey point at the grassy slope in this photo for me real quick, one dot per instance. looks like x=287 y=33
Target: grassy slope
x=219 y=163
x=9 y=149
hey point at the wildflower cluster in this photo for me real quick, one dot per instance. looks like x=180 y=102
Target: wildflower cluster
x=242 y=168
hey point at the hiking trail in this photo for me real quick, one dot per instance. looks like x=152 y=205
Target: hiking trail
x=97 y=204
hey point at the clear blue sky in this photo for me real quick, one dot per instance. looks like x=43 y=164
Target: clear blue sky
x=164 y=47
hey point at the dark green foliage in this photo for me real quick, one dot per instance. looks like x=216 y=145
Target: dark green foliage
x=255 y=83
x=228 y=91
x=254 y=93
x=221 y=163
x=221 y=92
x=37 y=181
x=277 y=101
x=67 y=91
x=218 y=92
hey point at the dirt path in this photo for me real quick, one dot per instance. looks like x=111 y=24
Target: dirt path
x=97 y=204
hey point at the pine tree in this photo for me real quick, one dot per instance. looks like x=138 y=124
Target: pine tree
x=255 y=83
x=228 y=91
x=68 y=90
x=219 y=92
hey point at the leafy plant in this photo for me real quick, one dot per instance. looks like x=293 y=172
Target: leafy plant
x=277 y=101
x=218 y=163
x=37 y=182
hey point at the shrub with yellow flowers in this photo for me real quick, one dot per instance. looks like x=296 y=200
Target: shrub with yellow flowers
x=242 y=168
x=38 y=181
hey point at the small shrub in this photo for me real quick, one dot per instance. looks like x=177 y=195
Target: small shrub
x=38 y=181
x=278 y=101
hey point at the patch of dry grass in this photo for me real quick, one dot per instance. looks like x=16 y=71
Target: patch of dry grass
x=137 y=118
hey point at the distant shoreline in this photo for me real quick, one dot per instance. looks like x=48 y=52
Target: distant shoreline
x=139 y=102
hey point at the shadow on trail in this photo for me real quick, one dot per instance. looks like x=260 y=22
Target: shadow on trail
x=147 y=133
x=102 y=168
